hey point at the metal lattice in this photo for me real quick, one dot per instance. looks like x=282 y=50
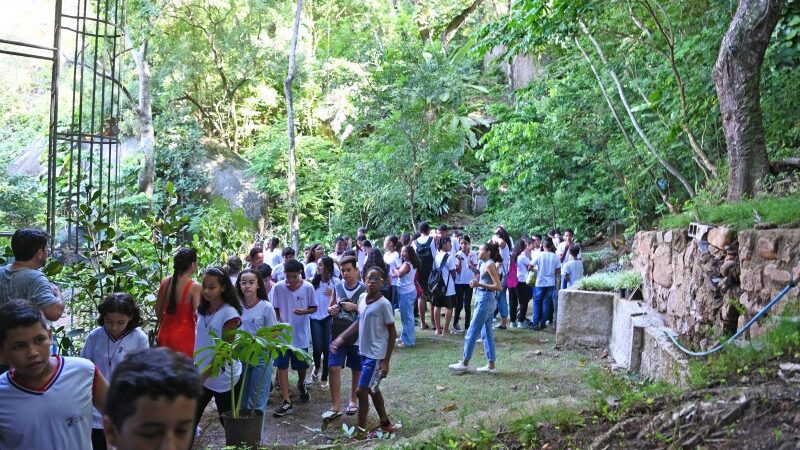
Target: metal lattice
x=83 y=142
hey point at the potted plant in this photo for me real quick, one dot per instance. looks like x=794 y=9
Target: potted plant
x=243 y=427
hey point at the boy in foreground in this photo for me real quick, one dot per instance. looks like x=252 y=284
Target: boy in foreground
x=152 y=400
x=376 y=337
x=55 y=393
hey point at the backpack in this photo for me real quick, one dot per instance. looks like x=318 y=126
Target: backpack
x=424 y=250
x=344 y=319
x=512 y=275
x=437 y=285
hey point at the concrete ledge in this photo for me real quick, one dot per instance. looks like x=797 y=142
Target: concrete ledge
x=660 y=359
x=584 y=318
x=625 y=311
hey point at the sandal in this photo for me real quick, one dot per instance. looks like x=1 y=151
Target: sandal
x=426 y=327
x=383 y=430
x=351 y=409
x=330 y=415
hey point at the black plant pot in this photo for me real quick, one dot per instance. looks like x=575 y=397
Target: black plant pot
x=244 y=430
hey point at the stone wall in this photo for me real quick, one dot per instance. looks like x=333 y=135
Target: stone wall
x=699 y=285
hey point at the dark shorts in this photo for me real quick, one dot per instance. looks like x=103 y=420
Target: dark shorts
x=282 y=362
x=369 y=370
x=447 y=301
x=346 y=356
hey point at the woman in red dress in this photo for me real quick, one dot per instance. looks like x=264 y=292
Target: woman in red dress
x=178 y=297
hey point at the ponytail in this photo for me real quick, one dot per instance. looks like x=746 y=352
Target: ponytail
x=184 y=258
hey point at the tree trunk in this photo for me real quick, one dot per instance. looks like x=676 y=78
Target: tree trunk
x=666 y=164
x=737 y=75
x=291 y=177
x=145 y=114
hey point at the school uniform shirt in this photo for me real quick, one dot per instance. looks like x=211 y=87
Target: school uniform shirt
x=562 y=248
x=447 y=271
x=546 y=264
x=505 y=253
x=466 y=274
x=373 y=337
x=273 y=258
x=361 y=256
x=311 y=270
x=258 y=316
x=285 y=301
x=393 y=262
x=455 y=246
x=336 y=259
x=107 y=352
x=523 y=261
x=214 y=322
x=57 y=415
x=405 y=284
x=575 y=270
x=324 y=300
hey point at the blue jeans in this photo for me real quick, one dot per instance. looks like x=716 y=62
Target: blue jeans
x=502 y=302
x=543 y=304
x=321 y=340
x=259 y=378
x=406 y=302
x=482 y=316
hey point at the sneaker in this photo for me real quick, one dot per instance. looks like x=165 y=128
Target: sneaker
x=285 y=408
x=514 y=325
x=456 y=327
x=487 y=369
x=330 y=415
x=304 y=396
x=197 y=431
x=479 y=340
x=500 y=327
x=459 y=368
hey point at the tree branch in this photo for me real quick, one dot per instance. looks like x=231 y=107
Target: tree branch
x=455 y=24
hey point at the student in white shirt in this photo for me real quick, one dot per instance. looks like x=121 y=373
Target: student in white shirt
x=106 y=346
x=391 y=257
x=323 y=283
x=447 y=301
x=573 y=269
x=273 y=256
x=522 y=292
x=562 y=250
x=466 y=270
x=548 y=271
x=407 y=293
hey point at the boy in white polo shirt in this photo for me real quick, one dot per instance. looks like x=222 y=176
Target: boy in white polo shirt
x=45 y=401
x=294 y=300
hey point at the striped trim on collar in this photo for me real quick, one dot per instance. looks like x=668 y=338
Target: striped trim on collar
x=41 y=390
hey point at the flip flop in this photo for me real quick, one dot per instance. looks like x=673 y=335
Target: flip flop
x=351 y=409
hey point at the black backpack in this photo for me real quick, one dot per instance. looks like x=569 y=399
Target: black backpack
x=424 y=251
x=437 y=283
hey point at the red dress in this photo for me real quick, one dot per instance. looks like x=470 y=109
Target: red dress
x=177 y=329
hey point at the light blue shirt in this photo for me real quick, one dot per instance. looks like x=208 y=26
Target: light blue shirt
x=546 y=265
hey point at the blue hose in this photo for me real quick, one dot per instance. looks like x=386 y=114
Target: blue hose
x=718 y=347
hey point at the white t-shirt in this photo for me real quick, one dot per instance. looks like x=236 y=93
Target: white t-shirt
x=447 y=271
x=258 y=316
x=215 y=321
x=406 y=282
x=522 y=267
x=373 y=336
x=455 y=247
x=466 y=274
x=324 y=300
x=336 y=258
x=107 y=353
x=546 y=264
x=285 y=301
x=505 y=253
x=58 y=416
x=392 y=261
x=562 y=248
x=575 y=270
x=362 y=258
x=311 y=270
x=278 y=274
x=273 y=258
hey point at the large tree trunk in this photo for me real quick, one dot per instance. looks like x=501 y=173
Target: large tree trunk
x=291 y=176
x=144 y=113
x=737 y=75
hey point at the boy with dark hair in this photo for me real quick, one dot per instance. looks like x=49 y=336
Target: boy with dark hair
x=573 y=269
x=256 y=257
x=294 y=300
x=278 y=271
x=425 y=247
x=152 y=400
x=56 y=393
x=273 y=255
x=23 y=279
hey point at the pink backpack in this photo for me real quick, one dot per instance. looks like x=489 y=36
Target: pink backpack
x=511 y=279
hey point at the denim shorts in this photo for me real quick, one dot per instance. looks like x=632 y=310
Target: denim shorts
x=282 y=362
x=347 y=355
x=369 y=370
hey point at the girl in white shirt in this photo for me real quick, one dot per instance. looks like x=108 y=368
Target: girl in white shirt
x=323 y=283
x=407 y=293
x=392 y=260
x=466 y=269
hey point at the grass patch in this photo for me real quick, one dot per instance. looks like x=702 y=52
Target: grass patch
x=740 y=215
x=733 y=363
x=610 y=281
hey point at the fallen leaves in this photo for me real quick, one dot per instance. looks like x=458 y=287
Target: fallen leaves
x=450 y=407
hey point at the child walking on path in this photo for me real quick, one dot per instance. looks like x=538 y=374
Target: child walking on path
x=45 y=401
x=376 y=335
x=257 y=313
x=407 y=293
x=294 y=300
x=343 y=308
x=106 y=346
x=176 y=304
x=220 y=311
x=486 y=288
x=323 y=283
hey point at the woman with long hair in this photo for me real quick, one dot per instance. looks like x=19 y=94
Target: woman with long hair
x=176 y=304
x=407 y=293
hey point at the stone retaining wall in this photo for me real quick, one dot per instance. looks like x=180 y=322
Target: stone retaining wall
x=699 y=286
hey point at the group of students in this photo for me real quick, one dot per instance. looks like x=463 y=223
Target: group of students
x=340 y=306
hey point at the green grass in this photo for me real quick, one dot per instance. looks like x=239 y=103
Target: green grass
x=610 y=281
x=741 y=215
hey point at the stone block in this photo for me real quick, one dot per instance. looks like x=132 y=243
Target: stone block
x=625 y=312
x=767 y=247
x=662 y=266
x=668 y=236
x=776 y=275
x=584 y=318
x=660 y=359
x=719 y=237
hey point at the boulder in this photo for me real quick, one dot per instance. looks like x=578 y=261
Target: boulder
x=662 y=266
x=719 y=237
x=767 y=247
x=584 y=318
